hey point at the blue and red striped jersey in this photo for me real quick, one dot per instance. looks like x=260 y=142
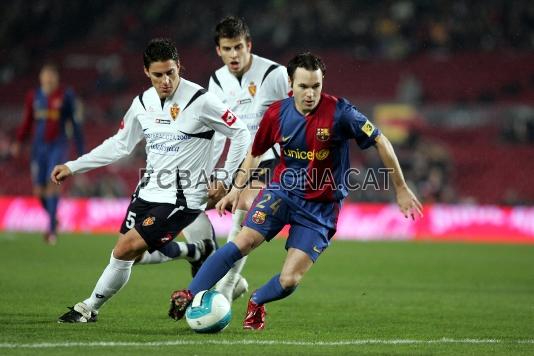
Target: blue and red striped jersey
x=314 y=149
x=46 y=116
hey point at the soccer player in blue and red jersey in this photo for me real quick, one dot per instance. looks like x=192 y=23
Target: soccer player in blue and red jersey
x=309 y=184
x=48 y=110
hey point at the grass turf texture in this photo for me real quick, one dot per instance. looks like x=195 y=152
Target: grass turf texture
x=357 y=292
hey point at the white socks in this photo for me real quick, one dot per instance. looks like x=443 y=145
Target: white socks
x=227 y=283
x=172 y=251
x=199 y=229
x=152 y=258
x=114 y=277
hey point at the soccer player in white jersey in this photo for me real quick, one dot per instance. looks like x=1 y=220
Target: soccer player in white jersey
x=178 y=119
x=248 y=84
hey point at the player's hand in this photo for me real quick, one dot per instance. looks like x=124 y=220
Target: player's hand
x=408 y=203
x=231 y=199
x=60 y=173
x=216 y=190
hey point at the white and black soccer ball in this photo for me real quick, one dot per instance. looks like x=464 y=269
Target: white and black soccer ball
x=209 y=312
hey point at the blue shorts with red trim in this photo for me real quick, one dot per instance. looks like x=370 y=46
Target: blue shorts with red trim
x=312 y=224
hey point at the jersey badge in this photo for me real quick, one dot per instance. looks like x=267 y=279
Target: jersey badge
x=259 y=217
x=149 y=221
x=323 y=133
x=175 y=110
x=162 y=121
x=368 y=128
x=229 y=117
x=252 y=89
x=56 y=103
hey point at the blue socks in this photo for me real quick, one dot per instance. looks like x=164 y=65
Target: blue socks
x=51 y=208
x=271 y=291
x=215 y=267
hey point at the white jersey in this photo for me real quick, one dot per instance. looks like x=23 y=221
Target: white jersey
x=179 y=144
x=264 y=83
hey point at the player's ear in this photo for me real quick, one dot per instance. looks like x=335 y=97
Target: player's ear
x=146 y=71
x=290 y=82
x=249 y=46
x=218 y=50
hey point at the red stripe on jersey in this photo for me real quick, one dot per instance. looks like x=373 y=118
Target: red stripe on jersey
x=27 y=120
x=268 y=133
x=318 y=139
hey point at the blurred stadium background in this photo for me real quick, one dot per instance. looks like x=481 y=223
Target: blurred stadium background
x=450 y=82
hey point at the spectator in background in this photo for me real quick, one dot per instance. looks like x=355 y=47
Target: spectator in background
x=409 y=89
x=49 y=114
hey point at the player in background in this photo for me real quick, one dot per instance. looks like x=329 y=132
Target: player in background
x=49 y=115
x=308 y=187
x=178 y=119
x=248 y=84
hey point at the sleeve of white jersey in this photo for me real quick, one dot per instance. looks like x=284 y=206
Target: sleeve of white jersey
x=274 y=88
x=217 y=116
x=114 y=148
x=219 y=140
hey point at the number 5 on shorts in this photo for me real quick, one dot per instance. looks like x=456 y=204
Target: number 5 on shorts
x=130 y=220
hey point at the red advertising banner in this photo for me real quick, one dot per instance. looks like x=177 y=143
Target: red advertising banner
x=485 y=223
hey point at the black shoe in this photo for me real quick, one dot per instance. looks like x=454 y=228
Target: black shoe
x=78 y=314
x=206 y=247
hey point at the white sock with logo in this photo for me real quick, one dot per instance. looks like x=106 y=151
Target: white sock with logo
x=114 y=277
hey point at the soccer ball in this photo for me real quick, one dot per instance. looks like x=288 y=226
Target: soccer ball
x=209 y=312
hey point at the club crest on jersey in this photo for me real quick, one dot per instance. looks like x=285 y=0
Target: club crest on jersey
x=229 y=117
x=259 y=217
x=149 y=221
x=323 y=133
x=175 y=110
x=252 y=89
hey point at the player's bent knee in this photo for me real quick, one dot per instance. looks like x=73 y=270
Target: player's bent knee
x=247 y=240
x=290 y=280
x=129 y=246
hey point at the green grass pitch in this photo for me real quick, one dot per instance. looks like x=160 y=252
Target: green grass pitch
x=359 y=298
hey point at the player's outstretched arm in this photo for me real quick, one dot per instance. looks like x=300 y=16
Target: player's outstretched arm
x=406 y=199
x=60 y=173
x=242 y=177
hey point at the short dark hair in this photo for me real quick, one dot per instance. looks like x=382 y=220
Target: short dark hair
x=160 y=50
x=231 y=27
x=307 y=61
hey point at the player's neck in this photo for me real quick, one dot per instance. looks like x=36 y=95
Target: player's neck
x=47 y=90
x=246 y=68
x=171 y=94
